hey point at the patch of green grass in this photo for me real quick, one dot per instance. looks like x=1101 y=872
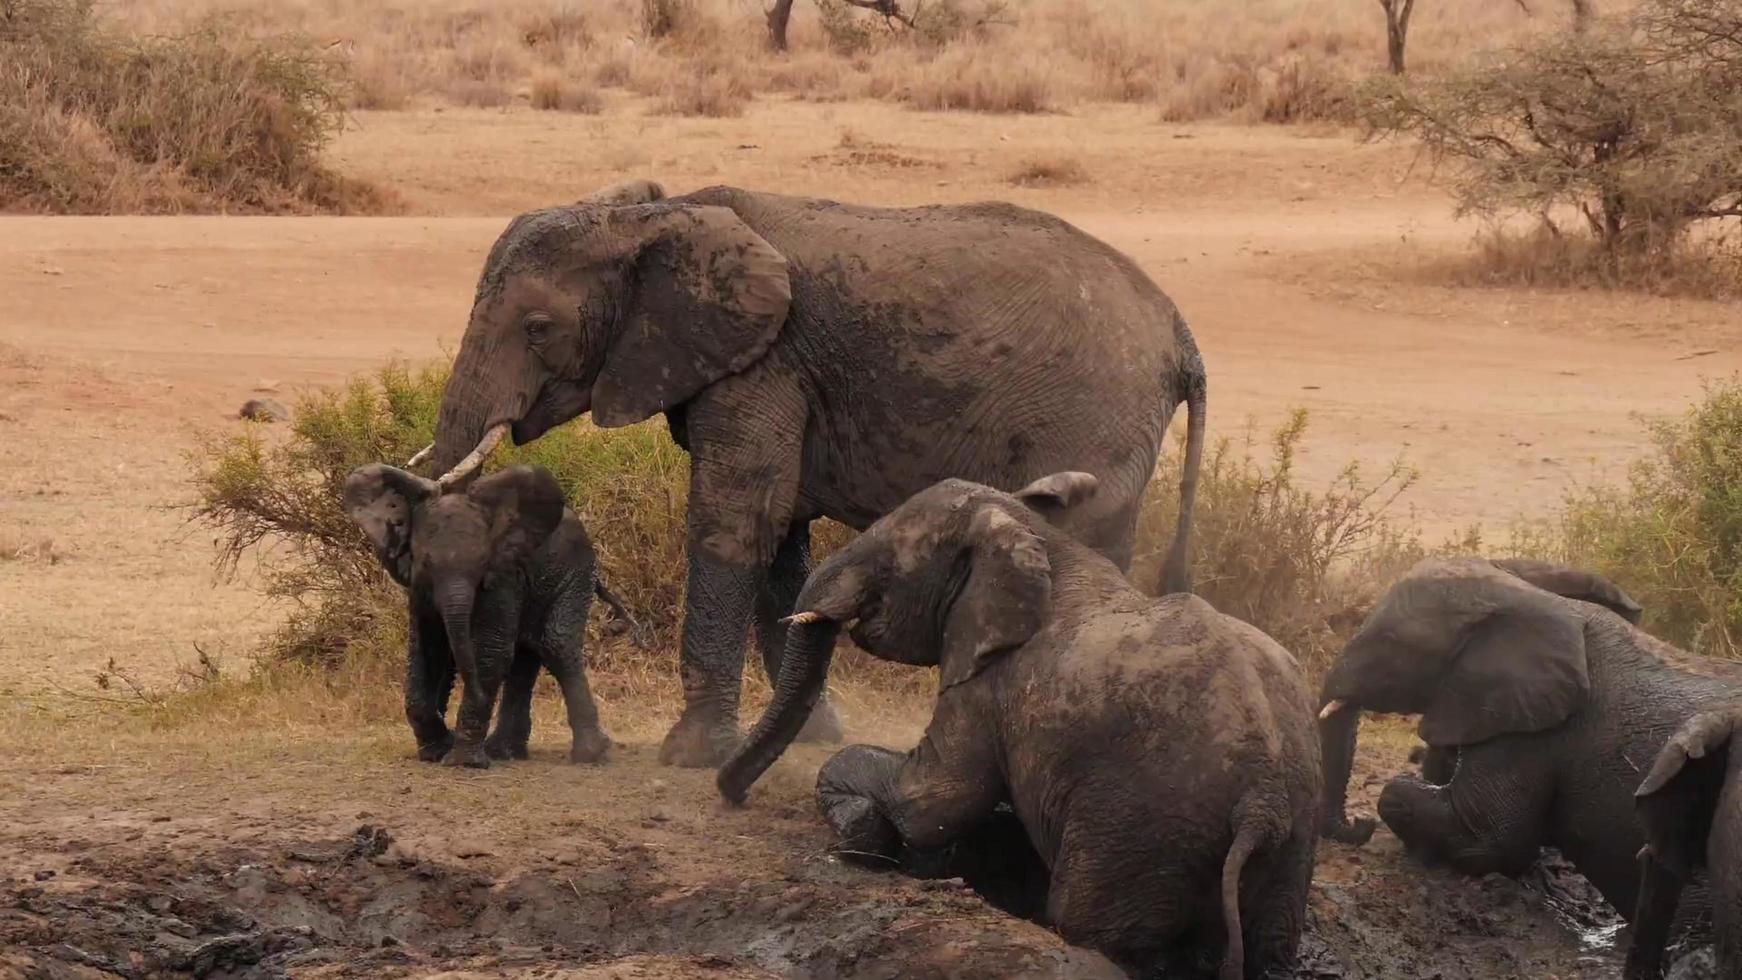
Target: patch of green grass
x=1671 y=532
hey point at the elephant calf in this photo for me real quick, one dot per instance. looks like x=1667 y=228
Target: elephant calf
x=1541 y=704
x=1161 y=756
x=499 y=580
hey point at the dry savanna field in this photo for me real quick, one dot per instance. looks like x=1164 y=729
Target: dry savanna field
x=203 y=755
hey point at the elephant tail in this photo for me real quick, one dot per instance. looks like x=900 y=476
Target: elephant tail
x=1251 y=831
x=1175 y=576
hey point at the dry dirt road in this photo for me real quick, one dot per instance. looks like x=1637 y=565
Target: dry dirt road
x=1303 y=262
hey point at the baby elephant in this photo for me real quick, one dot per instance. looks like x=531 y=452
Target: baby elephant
x=499 y=580
x=1160 y=755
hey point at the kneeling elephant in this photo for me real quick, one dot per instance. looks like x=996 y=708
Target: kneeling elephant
x=1161 y=756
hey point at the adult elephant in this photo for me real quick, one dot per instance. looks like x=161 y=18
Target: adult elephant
x=1541 y=704
x=819 y=359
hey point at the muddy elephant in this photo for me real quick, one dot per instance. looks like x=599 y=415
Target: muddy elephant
x=1160 y=755
x=819 y=359
x=1540 y=701
x=499 y=581
x=1690 y=804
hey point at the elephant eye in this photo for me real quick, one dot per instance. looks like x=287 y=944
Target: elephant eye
x=537 y=327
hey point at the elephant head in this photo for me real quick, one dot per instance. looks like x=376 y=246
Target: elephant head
x=623 y=304
x=955 y=577
x=1679 y=800
x=452 y=544
x=1477 y=648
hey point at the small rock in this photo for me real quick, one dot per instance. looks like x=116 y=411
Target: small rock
x=470 y=849
x=263 y=410
x=44 y=875
x=659 y=815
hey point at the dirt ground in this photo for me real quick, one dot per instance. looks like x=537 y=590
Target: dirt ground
x=131 y=848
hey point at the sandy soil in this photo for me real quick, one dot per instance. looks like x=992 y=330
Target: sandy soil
x=1294 y=255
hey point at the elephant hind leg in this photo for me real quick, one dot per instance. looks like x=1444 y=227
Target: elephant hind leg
x=514 y=713
x=1157 y=921
x=1273 y=902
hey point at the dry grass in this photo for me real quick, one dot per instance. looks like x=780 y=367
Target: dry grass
x=1704 y=267
x=553 y=91
x=1049 y=172
x=1278 y=60
x=96 y=121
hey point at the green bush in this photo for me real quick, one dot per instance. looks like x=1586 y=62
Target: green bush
x=281 y=499
x=1671 y=533
x=1302 y=565
x=95 y=121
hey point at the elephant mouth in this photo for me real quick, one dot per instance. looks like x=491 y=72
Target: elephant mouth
x=554 y=404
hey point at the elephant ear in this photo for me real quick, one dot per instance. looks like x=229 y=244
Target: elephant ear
x=1679 y=797
x=1055 y=495
x=523 y=506
x=1006 y=599
x=1521 y=668
x=708 y=297
x=1574 y=583
x=380 y=498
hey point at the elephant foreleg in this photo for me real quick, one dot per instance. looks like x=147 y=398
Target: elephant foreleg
x=774 y=600
x=711 y=663
x=429 y=677
x=1487 y=819
x=514 y=715
x=879 y=802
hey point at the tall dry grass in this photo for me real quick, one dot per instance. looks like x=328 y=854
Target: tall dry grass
x=1259 y=59
x=95 y=120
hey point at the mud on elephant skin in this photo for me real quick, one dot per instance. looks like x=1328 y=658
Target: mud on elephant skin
x=818 y=359
x=1538 y=699
x=499 y=582
x=1096 y=712
x=1690 y=804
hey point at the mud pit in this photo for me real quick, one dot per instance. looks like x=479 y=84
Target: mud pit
x=642 y=875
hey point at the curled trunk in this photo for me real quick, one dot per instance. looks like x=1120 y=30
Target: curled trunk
x=804 y=668
x=1337 y=736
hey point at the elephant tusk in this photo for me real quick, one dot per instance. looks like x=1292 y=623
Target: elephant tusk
x=422 y=454
x=486 y=446
x=804 y=618
x=1332 y=707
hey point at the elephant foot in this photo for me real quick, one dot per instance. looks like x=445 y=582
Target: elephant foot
x=590 y=746
x=823 y=726
x=468 y=754
x=502 y=749
x=437 y=750
x=1352 y=832
x=700 y=740
x=862 y=835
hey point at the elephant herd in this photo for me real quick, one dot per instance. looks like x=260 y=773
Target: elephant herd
x=983 y=390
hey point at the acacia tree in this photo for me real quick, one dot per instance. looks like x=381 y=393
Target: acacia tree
x=1637 y=126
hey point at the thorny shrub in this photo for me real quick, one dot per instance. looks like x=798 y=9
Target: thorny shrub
x=1302 y=565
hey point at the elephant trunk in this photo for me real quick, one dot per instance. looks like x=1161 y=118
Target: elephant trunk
x=469 y=405
x=803 y=670
x=1338 y=727
x=454 y=598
